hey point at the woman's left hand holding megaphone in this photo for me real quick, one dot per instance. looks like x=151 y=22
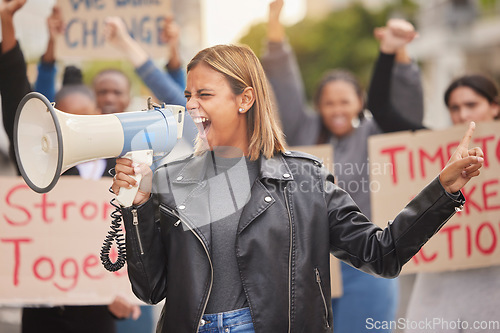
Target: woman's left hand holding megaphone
x=124 y=169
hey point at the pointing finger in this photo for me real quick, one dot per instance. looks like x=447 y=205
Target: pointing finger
x=468 y=135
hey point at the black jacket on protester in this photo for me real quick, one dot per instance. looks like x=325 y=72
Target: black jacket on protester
x=14 y=85
x=295 y=217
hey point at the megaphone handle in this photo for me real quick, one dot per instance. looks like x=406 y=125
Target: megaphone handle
x=126 y=196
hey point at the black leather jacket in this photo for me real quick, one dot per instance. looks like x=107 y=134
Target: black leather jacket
x=295 y=217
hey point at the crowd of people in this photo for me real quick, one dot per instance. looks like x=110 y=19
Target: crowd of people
x=232 y=244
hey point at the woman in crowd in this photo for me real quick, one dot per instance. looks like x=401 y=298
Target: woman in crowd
x=466 y=295
x=260 y=266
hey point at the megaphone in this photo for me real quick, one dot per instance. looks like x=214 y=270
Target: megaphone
x=48 y=141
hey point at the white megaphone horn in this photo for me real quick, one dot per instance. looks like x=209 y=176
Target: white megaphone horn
x=48 y=141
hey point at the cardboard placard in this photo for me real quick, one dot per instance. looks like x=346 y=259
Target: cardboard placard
x=84 y=32
x=471 y=238
x=325 y=153
x=50 y=244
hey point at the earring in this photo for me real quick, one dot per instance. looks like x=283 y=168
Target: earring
x=241 y=109
x=355 y=122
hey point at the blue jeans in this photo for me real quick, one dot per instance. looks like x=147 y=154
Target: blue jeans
x=366 y=299
x=145 y=323
x=236 y=321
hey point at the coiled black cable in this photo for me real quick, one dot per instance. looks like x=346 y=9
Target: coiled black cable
x=114 y=235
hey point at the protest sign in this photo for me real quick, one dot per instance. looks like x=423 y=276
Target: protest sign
x=85 y=20
x=470 y=239
x=50 y=244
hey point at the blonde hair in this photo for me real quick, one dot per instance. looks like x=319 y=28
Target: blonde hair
x=242 y=69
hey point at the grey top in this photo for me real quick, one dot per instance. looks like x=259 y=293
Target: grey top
x=227 y=291
x=351 y=167
x=301 y=125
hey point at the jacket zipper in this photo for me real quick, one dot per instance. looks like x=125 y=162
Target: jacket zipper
x=171 y=212
x=209 y=260
x=135 y=222
x=211 y=277
x=289 y=264
x=318 y=281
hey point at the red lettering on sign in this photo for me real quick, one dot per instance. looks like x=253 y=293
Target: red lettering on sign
x=498 y=151
x=392 y=156
x=44 y=269
x=493 y=245
x=450 y=148
x=93 y=210
x=44 y=205
x=36 y=268
x=21 y=208
x=423 y=156
x=425 y=257
x=449 y=230
x=48 y=210
x=484 y=147
x=487 y=195
x=72 y=264
x=469 y=201
x=65 y=207
x=17 y=254
x=410 y=163
x=106 y=210
x=468 y=244
x=91 y=262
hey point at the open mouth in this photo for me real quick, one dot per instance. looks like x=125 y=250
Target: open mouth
x=338 y=121
x=203 y=125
